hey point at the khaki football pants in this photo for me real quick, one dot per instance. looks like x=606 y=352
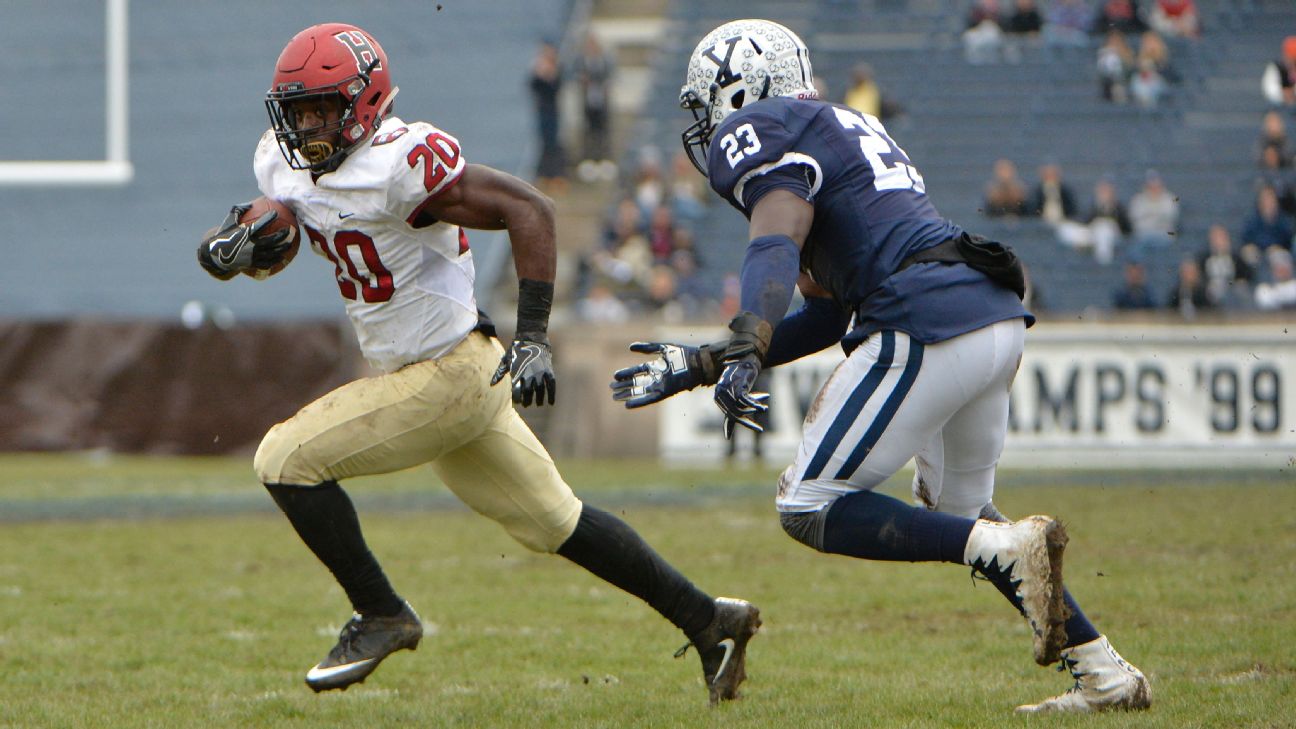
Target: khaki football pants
x=442 y=412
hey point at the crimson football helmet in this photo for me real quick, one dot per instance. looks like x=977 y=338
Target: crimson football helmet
x=332 y=62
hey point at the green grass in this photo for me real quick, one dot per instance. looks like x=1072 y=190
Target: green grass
x=207 y=612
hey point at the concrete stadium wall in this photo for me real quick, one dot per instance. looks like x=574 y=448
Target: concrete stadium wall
x=1128 y=394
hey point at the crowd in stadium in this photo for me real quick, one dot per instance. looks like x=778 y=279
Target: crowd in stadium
x=648 y=262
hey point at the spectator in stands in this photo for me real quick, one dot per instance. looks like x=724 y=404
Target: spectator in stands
x=1108 y=220
x=1228 y=275
x=1279 y=292
x=631 y=265
x=1273 y=133
x=649 y=185
x=1005 y=194
x=1188 y=295
x=661 y=232
x=1115 y=64
x=1175 y=18
x=983 y=33
x=1052 y=198
x=594 y=71
x=1067 y=24
x=1024 y=20
x=694 y=294
x=601 y=306
x=626 y=220
x=1119 y=15
x=1153 y=48
x=546 y=83
x=1268 y=227
x=1273 y=173
x=661 y=294
x=687 y=196
x=1133 y=293
x=1278 y=82
x=624 y=257
x=1154 y=213
x=1147 y=87
x=865 y=95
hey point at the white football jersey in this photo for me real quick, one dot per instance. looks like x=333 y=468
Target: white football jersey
x=408 y=290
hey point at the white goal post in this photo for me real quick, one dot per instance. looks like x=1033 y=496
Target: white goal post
x=116 y=168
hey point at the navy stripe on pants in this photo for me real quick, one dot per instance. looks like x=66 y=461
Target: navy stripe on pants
x=851 y=409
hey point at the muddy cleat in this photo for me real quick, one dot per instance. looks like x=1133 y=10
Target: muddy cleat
x=723 y=647
x=1024 y=560
x=362 y=645
x=1103 y=682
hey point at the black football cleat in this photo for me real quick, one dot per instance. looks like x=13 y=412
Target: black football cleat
x=363 y=643
x=723 y=647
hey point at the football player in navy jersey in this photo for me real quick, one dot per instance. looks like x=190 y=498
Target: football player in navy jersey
x=932 y=323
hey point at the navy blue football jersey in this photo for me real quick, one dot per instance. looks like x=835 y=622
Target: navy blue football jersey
x=871 y=212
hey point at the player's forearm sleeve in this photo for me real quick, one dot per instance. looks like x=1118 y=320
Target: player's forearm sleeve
x=769 y=275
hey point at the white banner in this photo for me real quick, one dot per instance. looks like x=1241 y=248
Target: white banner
x=1086 y=396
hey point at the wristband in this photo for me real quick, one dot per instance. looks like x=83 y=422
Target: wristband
x=535 y=299
x=751 y=336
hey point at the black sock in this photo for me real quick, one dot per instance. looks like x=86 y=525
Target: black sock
x=611 y=550
x=870 y=525
x=326 y=521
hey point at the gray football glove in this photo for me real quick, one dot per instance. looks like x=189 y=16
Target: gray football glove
x=529 y=361
x=235 y=246
x=677 y=367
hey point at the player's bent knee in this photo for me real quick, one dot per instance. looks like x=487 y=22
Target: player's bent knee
x=544 y=532
x=806 y=527
x=279 y=460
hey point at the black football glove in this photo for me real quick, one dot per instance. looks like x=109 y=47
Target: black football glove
x=734 y=397
x=677 y=367
x=236 y=247
x=529 y=360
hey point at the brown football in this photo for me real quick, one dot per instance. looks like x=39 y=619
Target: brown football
x=286 y=219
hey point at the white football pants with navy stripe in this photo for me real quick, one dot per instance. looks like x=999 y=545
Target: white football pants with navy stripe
x=893 y=399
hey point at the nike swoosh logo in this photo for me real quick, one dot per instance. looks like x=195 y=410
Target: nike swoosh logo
x=319 y=674
x=530 y=353
x=728 y=644
x=225 y=256
x=342 y=216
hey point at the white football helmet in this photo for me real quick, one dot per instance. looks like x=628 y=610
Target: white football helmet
x=738 y=64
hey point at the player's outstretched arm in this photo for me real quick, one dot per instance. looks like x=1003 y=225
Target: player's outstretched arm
x=487 y=199
x=674 y=369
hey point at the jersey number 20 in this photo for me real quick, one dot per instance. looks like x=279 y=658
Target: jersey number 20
x=874 y=143
x=376 y=286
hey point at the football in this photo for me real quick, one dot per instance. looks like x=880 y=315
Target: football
x=286 y=219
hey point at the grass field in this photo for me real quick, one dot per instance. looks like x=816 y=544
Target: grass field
x=168 y=593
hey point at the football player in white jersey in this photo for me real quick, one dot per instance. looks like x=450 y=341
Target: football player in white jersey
x=387 y=202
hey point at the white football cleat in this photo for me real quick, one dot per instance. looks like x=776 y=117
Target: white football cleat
x=1103 y=682
x=1025 y=557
